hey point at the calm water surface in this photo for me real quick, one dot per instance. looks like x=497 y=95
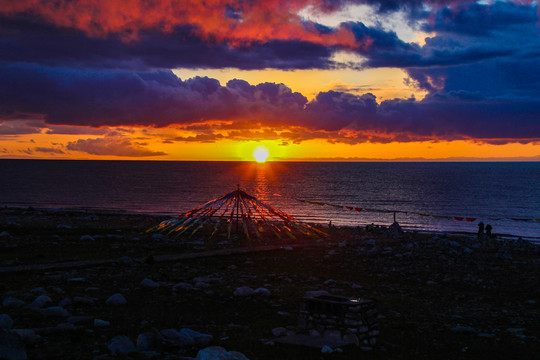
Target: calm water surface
x=481 y=190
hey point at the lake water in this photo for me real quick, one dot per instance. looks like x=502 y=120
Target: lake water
x=506 y=195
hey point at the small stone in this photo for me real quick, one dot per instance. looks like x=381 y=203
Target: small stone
x=145 y=340
x=5 y=322
x=316 y=293
x=288 y=248
x=101 y=323
x=326 y=349
x=121 y=345
x=87 y=238
x=40 y=301
x=149 y=284
x=262 y=291
x=11 y=346
x=486 y=335
x=12 y=302
x=55 y=311
x=243 y=291
x=65 y=327
x=182 y=286
x=63 y=226
x=175 y=338
x=26 y=335
x=202 y=285
x=116 y=299
x=65 y=302
x=465 y=329
x=515 y=331
x=4 y=234
x=219 y=353
x=279 y=331
x=79 y=319
x=78 y=280
x=356 y=286
x=199 y=339
x=126 y=260
x=84 y=300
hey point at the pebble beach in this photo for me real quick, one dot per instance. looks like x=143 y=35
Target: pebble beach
x=95 y=285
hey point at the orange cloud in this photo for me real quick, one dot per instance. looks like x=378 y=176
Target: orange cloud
x=213 y=20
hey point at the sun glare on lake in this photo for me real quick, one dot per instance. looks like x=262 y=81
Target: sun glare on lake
x=260 y=154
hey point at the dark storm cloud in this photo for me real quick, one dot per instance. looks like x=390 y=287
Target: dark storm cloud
x=122 y=98
x=480 y=19
x=118 y=97
x=23 y=39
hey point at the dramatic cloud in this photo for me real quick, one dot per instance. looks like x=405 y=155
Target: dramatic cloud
x=105 y=63
x=121 y=98
x=111 y=146
x=17 y=128
x=23 y=40
x=49 y=150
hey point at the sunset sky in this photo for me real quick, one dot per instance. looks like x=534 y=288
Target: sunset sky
x=307 y=79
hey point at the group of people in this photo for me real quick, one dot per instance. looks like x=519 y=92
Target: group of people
x=488 y=229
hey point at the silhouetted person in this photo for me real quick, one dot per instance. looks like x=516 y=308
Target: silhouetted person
x=488 y=230
x=480 y=229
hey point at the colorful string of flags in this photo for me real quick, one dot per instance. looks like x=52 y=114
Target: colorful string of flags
x=359 y=209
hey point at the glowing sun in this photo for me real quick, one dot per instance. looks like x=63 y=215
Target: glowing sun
x=260 y=154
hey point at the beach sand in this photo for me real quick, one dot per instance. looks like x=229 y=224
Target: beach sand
x=437 y=295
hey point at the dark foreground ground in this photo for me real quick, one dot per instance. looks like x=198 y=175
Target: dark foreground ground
x=437 y=296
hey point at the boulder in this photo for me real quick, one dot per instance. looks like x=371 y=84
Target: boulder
x=26 y=335
x=262 y=291
x=182 y=286
x=11 y=302
x=173 y=337
x=40 y=301
x=11 y=346
x=279 y=331
x=149 y=284
x=80 y=320
x=243 y=291
x=199 y=339
x=5 y=322
x=121 y=345
x=219 y=353
x=101 y=323
x=55 y=311
x=116 y=300
x=145 y=340
x=316 y=293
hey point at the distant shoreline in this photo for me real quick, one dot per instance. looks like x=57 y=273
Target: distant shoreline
x=119 y=212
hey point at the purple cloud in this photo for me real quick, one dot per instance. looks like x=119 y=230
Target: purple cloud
x=111 y=146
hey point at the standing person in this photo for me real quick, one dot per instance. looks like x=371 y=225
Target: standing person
x=480 y=229
x=488 y=231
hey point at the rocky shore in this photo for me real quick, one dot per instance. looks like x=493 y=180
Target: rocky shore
x=89 y=285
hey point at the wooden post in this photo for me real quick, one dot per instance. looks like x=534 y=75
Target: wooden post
x=237 y=204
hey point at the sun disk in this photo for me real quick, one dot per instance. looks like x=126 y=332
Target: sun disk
x=260 y=154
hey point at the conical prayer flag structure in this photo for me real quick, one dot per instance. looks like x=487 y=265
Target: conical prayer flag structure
x=238 y=213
